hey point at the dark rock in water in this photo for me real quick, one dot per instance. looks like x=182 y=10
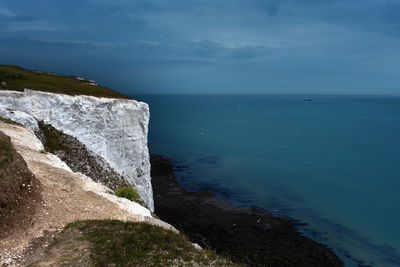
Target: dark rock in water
x=248 y=235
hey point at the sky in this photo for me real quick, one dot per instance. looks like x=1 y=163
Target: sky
x=210 y=46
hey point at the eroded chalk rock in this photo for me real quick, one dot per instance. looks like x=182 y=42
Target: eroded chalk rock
x=115 y=129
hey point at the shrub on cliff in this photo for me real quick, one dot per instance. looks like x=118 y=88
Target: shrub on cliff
x=51 y=137
x=128 y=192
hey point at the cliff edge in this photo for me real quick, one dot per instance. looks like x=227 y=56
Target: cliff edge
x=114 y=129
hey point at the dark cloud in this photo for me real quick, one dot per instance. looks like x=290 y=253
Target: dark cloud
x=205 y=45
x=27 y=43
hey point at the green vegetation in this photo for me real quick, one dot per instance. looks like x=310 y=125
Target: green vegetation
x=116 y=243
x=7 y=120
x=138 y=244
x=51 y=141
x=6 y=152
x=128 y=192
x=16 y=78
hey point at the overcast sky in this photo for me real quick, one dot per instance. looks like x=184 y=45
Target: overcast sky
x=210 y=46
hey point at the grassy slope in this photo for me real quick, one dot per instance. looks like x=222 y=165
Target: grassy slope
x=17 y=78
x=116 y=243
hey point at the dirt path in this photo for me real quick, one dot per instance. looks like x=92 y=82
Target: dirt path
x=66 y=197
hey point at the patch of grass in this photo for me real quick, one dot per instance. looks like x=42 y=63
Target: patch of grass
x=7 y=120
x=51 y=137
x=128 y=192
x=16 y=78
x=116 y=243
x=6 y=153
x=75 y=224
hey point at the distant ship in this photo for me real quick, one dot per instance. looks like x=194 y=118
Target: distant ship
x=308 y=99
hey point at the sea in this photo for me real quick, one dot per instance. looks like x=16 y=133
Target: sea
x=332 y=164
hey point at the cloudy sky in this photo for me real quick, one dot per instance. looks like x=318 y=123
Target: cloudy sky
x=210 y=46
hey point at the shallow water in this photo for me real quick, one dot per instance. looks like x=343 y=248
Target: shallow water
x=332 y=163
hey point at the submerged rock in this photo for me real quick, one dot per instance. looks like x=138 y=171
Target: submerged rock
x=248 y=235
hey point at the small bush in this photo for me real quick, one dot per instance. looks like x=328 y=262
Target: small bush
x=127 y=192
x=52 y=137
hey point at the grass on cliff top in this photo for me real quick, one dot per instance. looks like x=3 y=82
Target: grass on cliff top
x=116 y=243
x=16 y=78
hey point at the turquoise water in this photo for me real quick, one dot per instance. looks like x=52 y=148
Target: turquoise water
x=331 y=164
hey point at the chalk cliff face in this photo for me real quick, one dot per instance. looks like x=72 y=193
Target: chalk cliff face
x=114 y=129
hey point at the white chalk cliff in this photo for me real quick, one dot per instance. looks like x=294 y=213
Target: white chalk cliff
x=115 y=129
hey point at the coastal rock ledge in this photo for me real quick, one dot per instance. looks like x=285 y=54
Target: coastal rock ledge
x=114 y=129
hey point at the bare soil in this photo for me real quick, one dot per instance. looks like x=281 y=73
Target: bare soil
x=19 y=193
x=66 y=249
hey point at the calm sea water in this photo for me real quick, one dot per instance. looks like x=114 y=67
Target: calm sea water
x=333 y=164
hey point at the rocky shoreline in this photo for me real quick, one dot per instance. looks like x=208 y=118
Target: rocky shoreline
x=248 y=235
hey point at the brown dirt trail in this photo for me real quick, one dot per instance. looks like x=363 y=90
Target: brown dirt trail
x=62 y=199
